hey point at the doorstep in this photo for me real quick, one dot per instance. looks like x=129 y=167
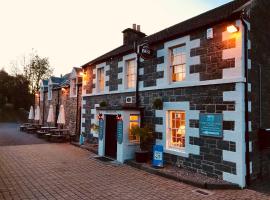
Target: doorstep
x=184 y=175
x=90 y=147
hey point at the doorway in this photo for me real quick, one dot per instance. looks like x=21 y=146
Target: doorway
x=111 y=136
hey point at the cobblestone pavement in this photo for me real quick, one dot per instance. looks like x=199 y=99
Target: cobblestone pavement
x=63 y=171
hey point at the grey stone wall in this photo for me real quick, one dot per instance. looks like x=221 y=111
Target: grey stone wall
x=206 y=99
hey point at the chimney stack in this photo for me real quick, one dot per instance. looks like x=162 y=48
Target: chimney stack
x=139 y=28
x=130 y=35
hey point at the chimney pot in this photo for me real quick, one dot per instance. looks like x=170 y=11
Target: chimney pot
x=134 y=26
x=139 y=28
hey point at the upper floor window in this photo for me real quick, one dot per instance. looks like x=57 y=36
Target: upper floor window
x=50 y=92
x=100 y=79
x=130 y=73
x=73 y=88
x=178 y=63
x=177 y=129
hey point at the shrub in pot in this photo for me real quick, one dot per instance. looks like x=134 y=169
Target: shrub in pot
x=145 y=134
x=103 y=104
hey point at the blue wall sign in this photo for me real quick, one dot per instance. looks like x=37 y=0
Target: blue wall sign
x=120 y=131
x=101 y=129
x=158 y=156
x=211 y=125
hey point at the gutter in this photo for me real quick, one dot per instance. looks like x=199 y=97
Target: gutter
x=247 y=154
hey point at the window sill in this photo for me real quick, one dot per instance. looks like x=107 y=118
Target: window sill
x=133 y=143
x=177 y=152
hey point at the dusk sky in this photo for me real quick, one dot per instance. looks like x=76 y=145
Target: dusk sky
x=73 y=32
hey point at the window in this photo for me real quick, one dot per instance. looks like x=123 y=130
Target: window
x=177 y=129
x=178 y=63
x=50 y=92
x=133 y=121
x=131 y=73
x=100 y=79
x=73 y=87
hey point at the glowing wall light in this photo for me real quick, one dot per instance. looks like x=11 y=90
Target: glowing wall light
x=232 y=29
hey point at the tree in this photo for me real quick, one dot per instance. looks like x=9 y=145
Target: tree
x=36 y=70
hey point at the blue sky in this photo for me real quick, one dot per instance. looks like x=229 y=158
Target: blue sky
x=73 y=32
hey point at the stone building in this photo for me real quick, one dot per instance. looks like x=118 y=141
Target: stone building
x=66 y=91
x=205 y=73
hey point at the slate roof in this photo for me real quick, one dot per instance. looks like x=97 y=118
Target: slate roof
x=60 y=81
x=45 y=83
x=208 y=18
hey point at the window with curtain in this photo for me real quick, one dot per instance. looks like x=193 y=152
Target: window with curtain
x=131 y=73
x=177 y=129
x=178 y=63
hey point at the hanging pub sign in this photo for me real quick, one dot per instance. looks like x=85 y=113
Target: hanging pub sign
x=120 y=131
x=101 y=129
x=145 y=51
x=211 y=125
x=158 y=156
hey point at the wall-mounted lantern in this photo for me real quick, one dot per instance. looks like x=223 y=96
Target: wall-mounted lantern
x=232 y=29
x=100 y=116
x=119 y=117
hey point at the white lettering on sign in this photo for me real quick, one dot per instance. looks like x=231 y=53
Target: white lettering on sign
x=158 y=155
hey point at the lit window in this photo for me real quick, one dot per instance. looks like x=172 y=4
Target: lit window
x=131 y=73
x=73 y=87
x=100 y=78
x=133 y=121
x=177 y=129
x=178 y=63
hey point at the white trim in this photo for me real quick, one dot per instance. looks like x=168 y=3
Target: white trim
x=237 y=135
x=189 y=84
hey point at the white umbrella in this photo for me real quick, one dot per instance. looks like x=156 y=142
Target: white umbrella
x=31 y=113
x=50 y=118
x=61 y=117
x=37 y=113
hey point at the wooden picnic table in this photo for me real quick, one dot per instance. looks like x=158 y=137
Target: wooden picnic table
x=48 y=127
x=57 y=135
x=59 y=131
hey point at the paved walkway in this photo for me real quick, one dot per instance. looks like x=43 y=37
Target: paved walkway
x=63 y=171
x=10 y=135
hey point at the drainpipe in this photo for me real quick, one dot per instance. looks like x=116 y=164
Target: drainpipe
x=137 y=74
x=246 y=99
x=43 y=109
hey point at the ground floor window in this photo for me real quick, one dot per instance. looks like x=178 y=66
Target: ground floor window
x=177 y=129
x=133 y=121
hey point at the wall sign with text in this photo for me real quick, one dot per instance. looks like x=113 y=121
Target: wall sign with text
x=211 y=125
x=101 y=129
x=120 y=131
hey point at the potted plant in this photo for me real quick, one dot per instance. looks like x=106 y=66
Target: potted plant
x=95 y=128
x=145 y=134
x=103 y=104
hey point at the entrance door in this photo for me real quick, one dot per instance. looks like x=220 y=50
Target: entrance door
x=111 y=136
